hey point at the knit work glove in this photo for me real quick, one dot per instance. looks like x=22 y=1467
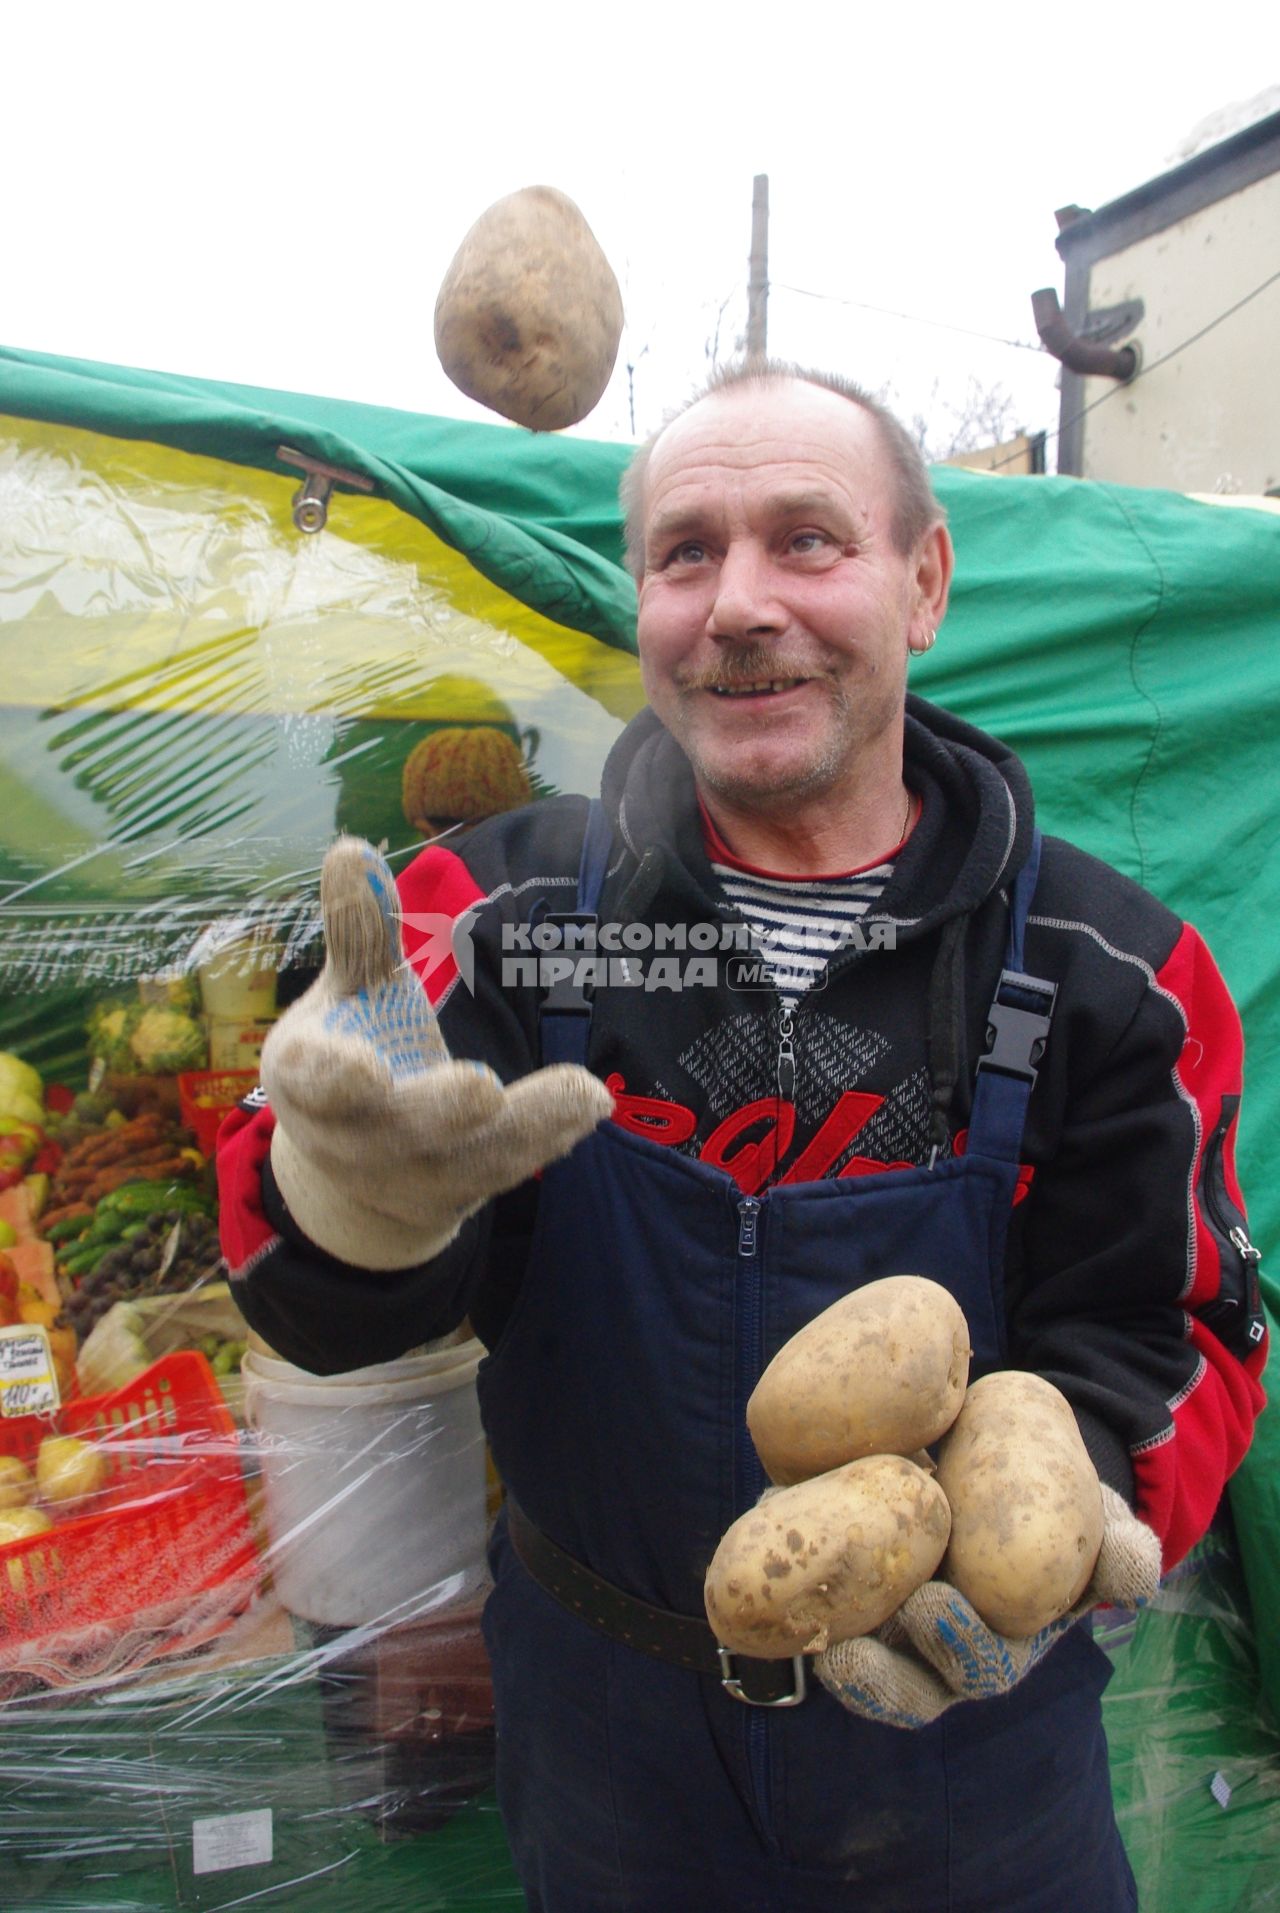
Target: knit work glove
x=383 y=1145
x=936 y=1650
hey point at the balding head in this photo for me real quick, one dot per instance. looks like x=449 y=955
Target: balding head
x=915 y=507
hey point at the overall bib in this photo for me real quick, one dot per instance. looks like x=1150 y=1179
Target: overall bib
x=615 y=1406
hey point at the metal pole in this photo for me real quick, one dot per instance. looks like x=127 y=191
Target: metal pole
x=758 y=282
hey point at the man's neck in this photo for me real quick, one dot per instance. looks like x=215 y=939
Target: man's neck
x=831 y=835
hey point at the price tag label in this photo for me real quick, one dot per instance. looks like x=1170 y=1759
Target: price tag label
x=227 y=1840
x=28 y=1381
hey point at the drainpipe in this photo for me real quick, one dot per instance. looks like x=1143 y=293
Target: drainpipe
x=1080 y=355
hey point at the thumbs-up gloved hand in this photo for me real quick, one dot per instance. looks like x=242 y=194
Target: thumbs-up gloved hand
x=383 y=1145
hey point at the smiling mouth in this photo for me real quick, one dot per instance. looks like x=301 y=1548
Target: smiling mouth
x=767 y=687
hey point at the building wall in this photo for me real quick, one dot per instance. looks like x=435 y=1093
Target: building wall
x=1209 y=419
x=1023 y=455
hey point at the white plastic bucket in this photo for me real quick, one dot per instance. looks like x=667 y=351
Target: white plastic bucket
x=434 y=1358
x=239 y=983
x=374 y=1488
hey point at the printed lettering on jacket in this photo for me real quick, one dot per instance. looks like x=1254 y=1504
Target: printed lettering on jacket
x=825 y=1128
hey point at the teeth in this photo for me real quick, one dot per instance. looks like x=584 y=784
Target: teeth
x=754 y=690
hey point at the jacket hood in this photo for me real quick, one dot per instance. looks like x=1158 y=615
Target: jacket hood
x=973 y=834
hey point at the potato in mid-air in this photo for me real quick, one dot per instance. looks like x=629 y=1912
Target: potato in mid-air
x=529 y=314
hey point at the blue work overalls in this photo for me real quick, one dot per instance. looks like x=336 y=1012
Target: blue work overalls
x=615 y=1405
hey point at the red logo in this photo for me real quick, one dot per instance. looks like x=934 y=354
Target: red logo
x=750 y=1144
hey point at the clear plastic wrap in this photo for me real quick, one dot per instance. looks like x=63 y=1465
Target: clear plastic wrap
x=248 y=1664
x=289 y=1704
x=244 y=1752
x=173 y=1734
x=1195 y=1759
x=194 y=697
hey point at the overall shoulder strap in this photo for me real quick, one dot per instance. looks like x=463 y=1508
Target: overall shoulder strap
x=597 y=841
x=564 y=1010
x=1017 y=1030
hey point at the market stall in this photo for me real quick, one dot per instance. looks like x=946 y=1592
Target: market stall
x=231 y=623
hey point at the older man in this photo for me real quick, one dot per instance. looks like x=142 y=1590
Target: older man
x=849 y=1017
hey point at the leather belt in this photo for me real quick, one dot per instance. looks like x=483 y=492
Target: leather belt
x=678 y=1638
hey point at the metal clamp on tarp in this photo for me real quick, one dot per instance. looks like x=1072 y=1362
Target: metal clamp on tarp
x=311 y=500
x=1018 y=1025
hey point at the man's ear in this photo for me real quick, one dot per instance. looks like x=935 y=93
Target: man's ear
x=935 y=567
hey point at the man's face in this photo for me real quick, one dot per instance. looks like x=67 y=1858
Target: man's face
x=775 y=610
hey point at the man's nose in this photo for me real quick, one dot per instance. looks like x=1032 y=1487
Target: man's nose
x=745 y=603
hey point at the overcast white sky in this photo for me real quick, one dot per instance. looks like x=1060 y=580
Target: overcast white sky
x=271 y=193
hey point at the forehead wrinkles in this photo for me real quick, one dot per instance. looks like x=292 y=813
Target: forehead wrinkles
x=725 y=450
x=706 y=450
x=779 y=422
x=710 y=494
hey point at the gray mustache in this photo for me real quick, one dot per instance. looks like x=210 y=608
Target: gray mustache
x=748 y=667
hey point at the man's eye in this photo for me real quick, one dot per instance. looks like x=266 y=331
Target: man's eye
x=688 y=553
x=806 y=541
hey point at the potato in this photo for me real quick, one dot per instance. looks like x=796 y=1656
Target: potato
x=826 y=1559
x=17 y=1484
x=529 y=313
x=1026 y=1510
x=67 y=1468
x=881 y=1372
x=19 y=1524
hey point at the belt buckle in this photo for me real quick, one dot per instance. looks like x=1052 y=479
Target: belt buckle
x=732 y=1683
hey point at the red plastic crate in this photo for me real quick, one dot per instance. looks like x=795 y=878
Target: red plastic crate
x=169 y=1525
x=205 y=1096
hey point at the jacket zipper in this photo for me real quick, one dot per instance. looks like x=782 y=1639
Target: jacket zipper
x=786 y=1065
x=750 y=1311
x=748 y=1225
x=1235 y=1314
x=749 y=1470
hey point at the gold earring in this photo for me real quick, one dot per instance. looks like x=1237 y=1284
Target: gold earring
x=926 y=643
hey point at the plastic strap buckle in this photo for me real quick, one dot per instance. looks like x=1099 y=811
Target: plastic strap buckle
x=1016 y=1034
x=566 y=994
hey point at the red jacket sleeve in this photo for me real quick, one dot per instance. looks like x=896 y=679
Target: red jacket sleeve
x=244 y=1145
x=1138 y=1293
x=1181 y=1472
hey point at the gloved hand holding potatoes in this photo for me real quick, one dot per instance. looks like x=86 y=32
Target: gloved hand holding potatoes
x=1036 y=1542
x=383 y=1144
x=917 y=1590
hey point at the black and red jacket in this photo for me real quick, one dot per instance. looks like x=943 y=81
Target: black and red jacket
x=1130 y=1281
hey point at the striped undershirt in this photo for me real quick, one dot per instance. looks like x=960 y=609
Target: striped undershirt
x=797 y=922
